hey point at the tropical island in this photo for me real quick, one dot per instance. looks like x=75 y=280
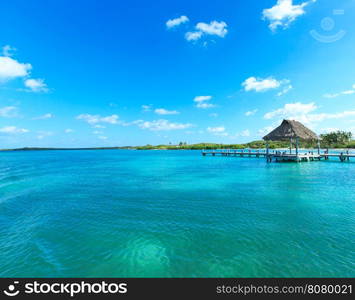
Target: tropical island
x=334 y=140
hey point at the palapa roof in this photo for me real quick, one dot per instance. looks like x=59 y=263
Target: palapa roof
x=290 y=129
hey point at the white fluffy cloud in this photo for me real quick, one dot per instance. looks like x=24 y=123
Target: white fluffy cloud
x=94 y=119
x=292 y=109
x=251 y=112
x=8 y=111
x=163 y=111
x=11 y=68
x=202 y=98
x=161 y=125
x=326 y=116
x=283 y=13
x=262 y=85
x=13 y=130
x=303 y=112
x=202 y=102
x=36 y=85
x=177 y=21
x=213 y=28
x=193 y=36
x=68 y=130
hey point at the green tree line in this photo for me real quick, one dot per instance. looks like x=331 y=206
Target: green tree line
x=338 y=139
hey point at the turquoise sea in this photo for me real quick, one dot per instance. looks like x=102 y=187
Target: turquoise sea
x=121 y=213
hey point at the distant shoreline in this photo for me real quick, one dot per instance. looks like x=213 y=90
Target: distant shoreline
x=67 y=149
x=172 y=148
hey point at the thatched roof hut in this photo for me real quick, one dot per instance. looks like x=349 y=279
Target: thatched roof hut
x=291 y=129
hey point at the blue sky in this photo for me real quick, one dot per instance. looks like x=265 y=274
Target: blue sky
x=107 y=73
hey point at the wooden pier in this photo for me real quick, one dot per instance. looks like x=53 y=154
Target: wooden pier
x=281 y=156
x=290 y=130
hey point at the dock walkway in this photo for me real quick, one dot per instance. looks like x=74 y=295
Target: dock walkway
x=277 y=155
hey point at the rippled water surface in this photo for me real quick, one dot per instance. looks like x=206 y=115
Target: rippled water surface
x=173 y=214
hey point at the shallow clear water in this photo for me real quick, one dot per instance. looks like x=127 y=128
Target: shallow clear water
x=173 y=214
